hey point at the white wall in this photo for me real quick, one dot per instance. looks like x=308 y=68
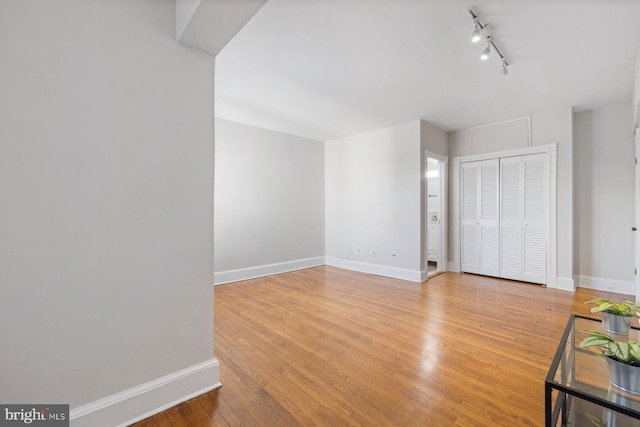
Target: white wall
x=555 y=125
x=269 y=199
x=605 y=197
x=434 y=140
x=550 y=126
x=373 y=201
x=106 y=182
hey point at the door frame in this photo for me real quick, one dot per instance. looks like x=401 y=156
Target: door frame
x=444 y=213
x=551 y=151
x=636 y=237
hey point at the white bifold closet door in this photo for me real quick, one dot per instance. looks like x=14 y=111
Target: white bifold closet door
x=523 y=218
x=479 y=218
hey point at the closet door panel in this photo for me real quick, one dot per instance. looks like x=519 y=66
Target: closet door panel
x=535 y=256
x=470 y=249
x=511 y=218
x=470 y=235
x=489 y=235
x=535 y=218
x=511 y=254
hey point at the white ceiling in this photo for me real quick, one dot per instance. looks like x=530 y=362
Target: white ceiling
x=325 y=69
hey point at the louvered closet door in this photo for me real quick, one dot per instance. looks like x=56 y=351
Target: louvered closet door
x=479 y=222
x=489 y=249
x=470 y=218
x=535 y=218
x=511 y=194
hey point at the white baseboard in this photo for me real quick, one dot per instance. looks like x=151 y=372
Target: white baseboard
x=142 y=401
x=609 y=285
x=552 y=280
x=379 y=270
x=230 y=276
x=565 y=284
x=453 y=266
x=424 y=275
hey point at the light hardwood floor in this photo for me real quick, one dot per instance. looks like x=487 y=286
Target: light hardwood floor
x=330 y=347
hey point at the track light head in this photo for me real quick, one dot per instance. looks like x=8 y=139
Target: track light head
x=486 y=52
x=475 y=36
x=503 y=68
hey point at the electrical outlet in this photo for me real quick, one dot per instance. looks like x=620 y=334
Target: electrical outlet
x=358 y=250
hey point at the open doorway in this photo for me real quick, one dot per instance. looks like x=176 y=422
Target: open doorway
x=435 y=250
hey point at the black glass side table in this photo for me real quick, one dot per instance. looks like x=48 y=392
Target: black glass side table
x=577 y=388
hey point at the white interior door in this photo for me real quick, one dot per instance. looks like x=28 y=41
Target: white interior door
x=511 y=218
x=479 y=220
x=470 y=218
x=489 y=249
x=535 y=218
x=637 y=217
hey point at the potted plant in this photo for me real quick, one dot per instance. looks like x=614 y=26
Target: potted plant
x=623 y=359
x=616 y=316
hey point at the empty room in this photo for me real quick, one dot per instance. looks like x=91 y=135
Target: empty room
x=319 y=212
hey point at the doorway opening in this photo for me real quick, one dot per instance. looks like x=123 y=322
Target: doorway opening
x=435 y=249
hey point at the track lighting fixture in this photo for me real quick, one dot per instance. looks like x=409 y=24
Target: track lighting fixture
x=503 y=68
x=486 y=52
x=475 y=36
x=483 y=31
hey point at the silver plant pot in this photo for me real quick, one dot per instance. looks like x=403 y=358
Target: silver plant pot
x=623 y=376
x=616 y=324
x=616 y=419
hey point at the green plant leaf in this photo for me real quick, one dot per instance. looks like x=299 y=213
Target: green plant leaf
x=596 y=301
x=626 y=308
x=620 y=350
x=603 y=307
x=594 y=342
x=596 y=339
x=634 y=350
x=598 y=334
x=632 y=308
x=595 y=420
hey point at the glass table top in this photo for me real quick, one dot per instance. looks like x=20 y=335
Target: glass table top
x=583 y=372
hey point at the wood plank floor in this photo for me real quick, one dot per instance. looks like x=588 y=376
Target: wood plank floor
x=330 y=347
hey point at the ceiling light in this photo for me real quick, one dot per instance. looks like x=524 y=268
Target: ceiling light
x=503 y=68
x=475 y=36
x=484 y=31
x=486 y=52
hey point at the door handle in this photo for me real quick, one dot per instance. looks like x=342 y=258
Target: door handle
x=634 y=229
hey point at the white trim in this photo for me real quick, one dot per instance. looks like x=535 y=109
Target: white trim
x=528 y=118
x=636 y=200
x=444 y=211
x=538 y=149
x=377 y=269
x=230 y=276
x=552 y=154
x=609 y=285
x=565 y=284
x=144 y=400
x=502 y=122
x=424 y=275
x=552 y=236
x=456 y=216
x=453 y=266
